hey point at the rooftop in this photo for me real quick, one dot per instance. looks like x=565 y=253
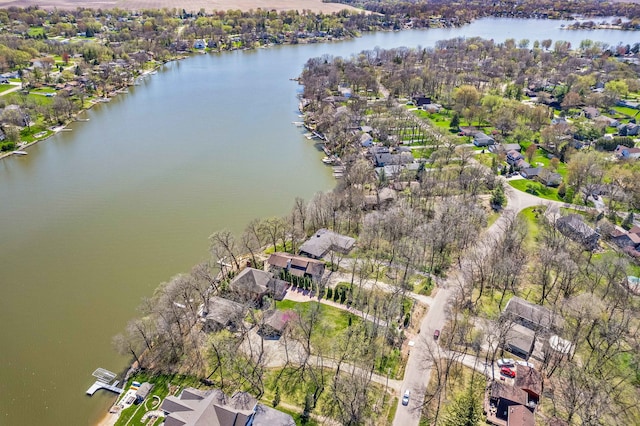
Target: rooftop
x=323 y=241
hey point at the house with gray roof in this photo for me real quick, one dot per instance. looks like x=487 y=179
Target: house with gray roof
x=220 y=313
x=298 y=266
x=573 y=227
x=519 y=340
x=195 y=407
x=482 y=139
x=530 y=315
x=324 y=241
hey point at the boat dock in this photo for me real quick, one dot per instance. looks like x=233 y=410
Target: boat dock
x=101 y=385
x=105 y=377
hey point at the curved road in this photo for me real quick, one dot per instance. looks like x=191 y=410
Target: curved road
x=418 y=371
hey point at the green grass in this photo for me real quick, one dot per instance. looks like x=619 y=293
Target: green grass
x=4 y=87
x=626 y=110
x=335 y=320
x=532 y=216
x=13 y=98
x=133 y=414
x=35 y=31
x=44 y=89
x=542 y=191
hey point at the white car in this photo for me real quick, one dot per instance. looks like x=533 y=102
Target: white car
x=525 y=363
x=506 y=362
x=405 y=397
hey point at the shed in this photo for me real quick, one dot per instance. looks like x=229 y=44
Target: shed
x=143 y=391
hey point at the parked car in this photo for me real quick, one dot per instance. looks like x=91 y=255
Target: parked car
x=506 y=362
x=405 y=397
x=525 y=363
x=436 y=334
x=507 y=372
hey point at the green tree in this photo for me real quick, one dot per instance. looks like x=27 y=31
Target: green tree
x=465 y=410
x=455 y=122
x=498 y=198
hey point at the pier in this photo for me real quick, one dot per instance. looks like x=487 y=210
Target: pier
x=105 y=377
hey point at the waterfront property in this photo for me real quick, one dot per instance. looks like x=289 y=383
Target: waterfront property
x=324 y=241
x=195 y=407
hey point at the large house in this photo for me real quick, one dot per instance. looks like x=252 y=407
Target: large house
x=251 y=285
x=509 y=405
x=220 y=313
x=530 y=315
x=298 y=266
x=573 y=227
x=324 y=241
x=195 y=407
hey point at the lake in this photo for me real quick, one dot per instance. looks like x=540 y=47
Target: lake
x=95 y=218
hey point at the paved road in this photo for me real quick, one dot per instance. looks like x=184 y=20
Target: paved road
x=418 y=371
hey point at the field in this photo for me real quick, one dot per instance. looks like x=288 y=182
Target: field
x=189 y=5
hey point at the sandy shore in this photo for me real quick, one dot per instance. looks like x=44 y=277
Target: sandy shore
x=108 y=420
x=189 y=5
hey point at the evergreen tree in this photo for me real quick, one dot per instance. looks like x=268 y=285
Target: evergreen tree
x=497 y=197
x=455 y=122
x=466 y=409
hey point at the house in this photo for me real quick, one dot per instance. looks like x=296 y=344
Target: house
x=530 y=172
x=506 y=147
x=199 y=44
x=519 y=340
x=275 y=323
x=624 y=239
x=530 y=315
x=251 y=285
x=480 y=139
x=591 y=112
x=611 y=122
x=421 y=101
x=366 y=140
x=626 y=153
x=323 y=241
x=297 y=266
x=366 y=129
x=513 y=156
x=629 y=129
x=221 y=313
x=387 y=159
x=519 y=415
x=573 y=227
x=212 y=407
x=529 y=380
x=549 y=178
x=143 y=391
x=503 y=398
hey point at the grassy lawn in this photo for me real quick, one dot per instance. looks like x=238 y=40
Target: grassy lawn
x=532 y=215
x=35 y=31
x=44 y=89
x=542 y=191
x=4 y=87
x=335 y=320
x=626 y=110
x=161 y=386
x=39 y=99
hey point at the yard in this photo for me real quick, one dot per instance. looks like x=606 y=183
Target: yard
x=4 y=87
x=334 y=320
x=162 y=386
x=535 y=188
